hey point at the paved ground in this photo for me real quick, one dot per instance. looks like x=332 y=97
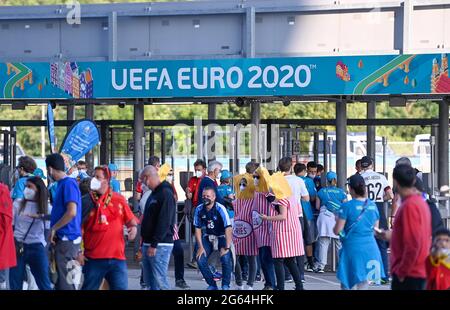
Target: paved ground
x=314 y=281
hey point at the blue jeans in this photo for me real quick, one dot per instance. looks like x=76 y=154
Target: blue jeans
x=383 y=246
x=36 y=257
x=265 y=254
x=155 y=267
x=226 y=261
x=113 y=270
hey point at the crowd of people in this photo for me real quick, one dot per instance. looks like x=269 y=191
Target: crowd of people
x=72 y=233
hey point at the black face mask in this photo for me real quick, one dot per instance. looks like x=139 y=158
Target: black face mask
x=206 y=201
x=270 y=198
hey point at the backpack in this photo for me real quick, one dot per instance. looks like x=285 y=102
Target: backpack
x=436 y=219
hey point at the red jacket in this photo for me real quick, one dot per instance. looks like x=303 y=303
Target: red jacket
x=7 y=247
x=438 y=274
x=411 y=238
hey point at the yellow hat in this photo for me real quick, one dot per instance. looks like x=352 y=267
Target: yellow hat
x=280 y=186
x=249 y=190
x=164 y=171
x=264 y=179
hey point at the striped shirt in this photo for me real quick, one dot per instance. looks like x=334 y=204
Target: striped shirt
x=262 y=229
x=243 y=235
x=286 y=237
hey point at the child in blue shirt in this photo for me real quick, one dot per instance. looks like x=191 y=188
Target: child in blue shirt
x=226 y=192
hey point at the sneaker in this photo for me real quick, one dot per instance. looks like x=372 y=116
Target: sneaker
x=319 y=270
x=258 y=278
x=244 y=277
x=384 y=281
x=239 y=287
x=3 y=285
x=182 y=284
x=267 y=288
x=289 y=280
x=144 y=287
x=309 y=268
x=212 y=288
x=192 y=265
x=303 y=281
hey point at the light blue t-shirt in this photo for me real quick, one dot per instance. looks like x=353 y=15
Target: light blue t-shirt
x=311 y=187
x=19 y=187
x=333 y=194
x=351 y=210
x=115 y=185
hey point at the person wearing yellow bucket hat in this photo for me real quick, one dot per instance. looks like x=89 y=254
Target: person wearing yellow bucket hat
x=262 y=205
x=243 y=235
x=286 y=237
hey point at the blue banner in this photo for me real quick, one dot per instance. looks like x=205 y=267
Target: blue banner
x=79 y=140
x=290 y=76
x=51 y=128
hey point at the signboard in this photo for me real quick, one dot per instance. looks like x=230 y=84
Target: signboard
x=51 y=128
x=79 y=140
x=296 y=76
x=130 y=147
x=295 y=147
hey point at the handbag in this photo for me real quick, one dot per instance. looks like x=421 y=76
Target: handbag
x=19 y=244
x=344 y=235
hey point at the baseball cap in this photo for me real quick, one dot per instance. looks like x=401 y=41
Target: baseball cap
x=331 y=176
x=39 y=173
x=356 y=181
x=113 y=167
x=366 y=161
x=225 y=175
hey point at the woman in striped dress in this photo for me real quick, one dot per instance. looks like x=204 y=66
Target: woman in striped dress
x=286 y=239
x=262 y=205
x=243 y=236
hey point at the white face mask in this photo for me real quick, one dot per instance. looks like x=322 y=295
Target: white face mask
x=198 y=174
x=95 y=184
x=219 y=175
x=256 y=181
x=83 y=171
x=242 y=187
x=74 y=174
x=169 y=178
x=29 y=194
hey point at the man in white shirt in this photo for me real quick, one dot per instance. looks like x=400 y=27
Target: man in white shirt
x=300 y=192
x=379 y=191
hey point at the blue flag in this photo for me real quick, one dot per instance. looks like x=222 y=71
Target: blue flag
x=51 y=128
x=79 y=140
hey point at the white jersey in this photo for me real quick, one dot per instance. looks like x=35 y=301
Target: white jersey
x=298 y=189
x=376 y=185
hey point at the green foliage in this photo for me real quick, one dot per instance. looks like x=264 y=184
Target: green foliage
x=30 y=137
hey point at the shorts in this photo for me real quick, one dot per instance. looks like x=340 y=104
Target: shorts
x=309 y=231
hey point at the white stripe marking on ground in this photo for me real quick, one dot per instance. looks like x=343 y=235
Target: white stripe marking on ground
x=326 y=281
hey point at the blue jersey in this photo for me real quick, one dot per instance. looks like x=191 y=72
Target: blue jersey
x=67 y=191
x=332 y=197
x=212 y=222
x=19 y=187
x=311 y=187
x=224 y=190
x=115 y=185
x=350 y=212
